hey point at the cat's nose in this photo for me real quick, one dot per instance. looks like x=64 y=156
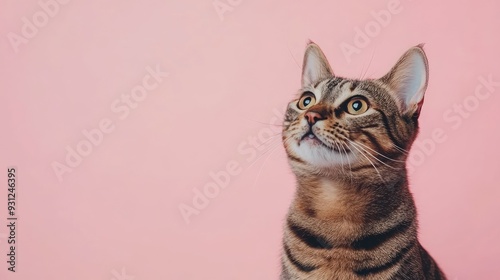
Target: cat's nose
x=312 y=117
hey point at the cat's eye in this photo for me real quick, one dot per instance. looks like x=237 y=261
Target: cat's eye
x=306 y=100
x=357 y=106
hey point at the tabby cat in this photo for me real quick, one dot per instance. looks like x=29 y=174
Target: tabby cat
x=347 y=140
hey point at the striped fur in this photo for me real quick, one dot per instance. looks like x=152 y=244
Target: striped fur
x=353 y=216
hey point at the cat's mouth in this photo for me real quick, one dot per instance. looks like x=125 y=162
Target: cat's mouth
x=309 y=135
x=311 y=138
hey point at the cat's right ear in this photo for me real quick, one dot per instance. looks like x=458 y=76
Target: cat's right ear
x=408 y=79
x=315 y=66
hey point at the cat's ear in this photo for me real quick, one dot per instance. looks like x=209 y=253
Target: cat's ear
x=315 y=66
x=408 y=80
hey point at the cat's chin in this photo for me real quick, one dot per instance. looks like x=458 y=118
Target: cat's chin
x=312 y=141
x=316 y=153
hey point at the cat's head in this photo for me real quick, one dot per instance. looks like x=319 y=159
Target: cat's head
x=336 y=123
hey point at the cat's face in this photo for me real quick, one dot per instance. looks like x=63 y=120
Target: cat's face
x=344 y=124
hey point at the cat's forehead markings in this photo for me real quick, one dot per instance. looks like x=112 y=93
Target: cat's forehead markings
x=319 y=83
x=317 y=88
x=329 y=89
x=333 y=82
x=346 y=90
x=353 y=85
x=323 y=83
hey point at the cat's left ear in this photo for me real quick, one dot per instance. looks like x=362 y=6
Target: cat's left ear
x=315 y=66
x=408 y=79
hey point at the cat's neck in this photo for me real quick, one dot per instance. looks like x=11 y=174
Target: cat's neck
x=350 y=206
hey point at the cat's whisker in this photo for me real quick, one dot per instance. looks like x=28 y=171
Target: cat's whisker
x=293 y=57
x=395 y=160
x=367 y=152
x=341 y=157
x=368 y=67
x=274 y=147
x=269 y=140
x=291 y=135
x=401 y=149
x=350 y=168
x=262 y=166
x=274 y=124
x=371 y=162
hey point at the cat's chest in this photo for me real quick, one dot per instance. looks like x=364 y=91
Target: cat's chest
x=335 y=201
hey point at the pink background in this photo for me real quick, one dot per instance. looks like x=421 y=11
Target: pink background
x=119 y=208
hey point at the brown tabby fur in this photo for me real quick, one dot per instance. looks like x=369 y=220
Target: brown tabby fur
x=355 y=219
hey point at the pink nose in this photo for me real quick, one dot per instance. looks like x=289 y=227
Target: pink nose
x=313 y=117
